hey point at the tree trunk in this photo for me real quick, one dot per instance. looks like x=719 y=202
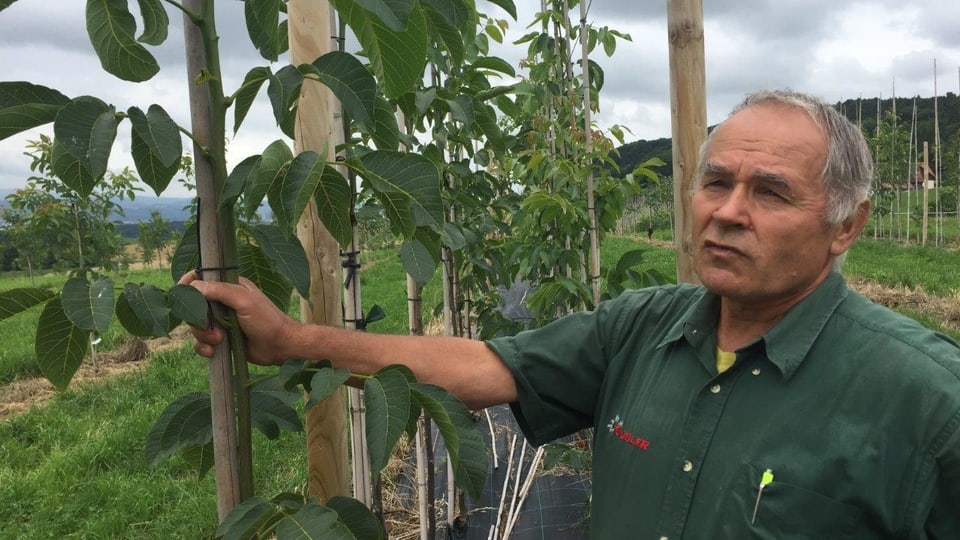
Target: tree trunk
x=231 y=442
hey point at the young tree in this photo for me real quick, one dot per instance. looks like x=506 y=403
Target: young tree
x=154 y=235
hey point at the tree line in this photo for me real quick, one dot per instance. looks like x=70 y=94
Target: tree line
x=862 y=111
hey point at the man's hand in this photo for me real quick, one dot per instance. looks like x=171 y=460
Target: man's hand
x=266 y=328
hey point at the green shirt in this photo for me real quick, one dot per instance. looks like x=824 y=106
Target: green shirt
x=855 y=410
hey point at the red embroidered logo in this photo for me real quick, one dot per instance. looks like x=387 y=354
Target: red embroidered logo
x=616 y=427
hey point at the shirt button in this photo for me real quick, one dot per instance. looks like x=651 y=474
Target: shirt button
x=715 y=389
x=687 y=465
x=756 y=371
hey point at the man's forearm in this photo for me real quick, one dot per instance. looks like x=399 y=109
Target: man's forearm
x=464 y=367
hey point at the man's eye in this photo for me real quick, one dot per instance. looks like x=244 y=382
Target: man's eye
x=711 y=183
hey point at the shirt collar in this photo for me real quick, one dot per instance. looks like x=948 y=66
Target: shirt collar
x=787 y=343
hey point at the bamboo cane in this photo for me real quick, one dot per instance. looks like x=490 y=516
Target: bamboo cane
x=594 y=267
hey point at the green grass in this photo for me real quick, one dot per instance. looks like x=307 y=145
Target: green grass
x=74 y=467
x=933 y=269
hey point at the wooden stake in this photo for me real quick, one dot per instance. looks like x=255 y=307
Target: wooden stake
x=318 y=129
x=689 y=118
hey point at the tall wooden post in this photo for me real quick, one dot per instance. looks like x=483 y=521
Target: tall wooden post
x=688 y=110
x=318 y=129
x=926 y=194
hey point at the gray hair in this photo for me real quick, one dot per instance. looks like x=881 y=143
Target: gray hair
x=848 y=171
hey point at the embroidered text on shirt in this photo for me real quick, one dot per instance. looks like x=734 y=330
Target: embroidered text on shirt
x=616 y=427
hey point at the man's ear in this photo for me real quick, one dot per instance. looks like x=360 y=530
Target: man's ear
x=849 y=230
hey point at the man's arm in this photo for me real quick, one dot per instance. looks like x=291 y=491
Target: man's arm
x=464 y=367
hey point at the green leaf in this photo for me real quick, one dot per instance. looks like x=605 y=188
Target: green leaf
x=393 y=13
x=385 y=133
x=155 y=22
x=247 y=93
x=456 y=13
x=411 y=175
x=313 y=522
x=468 y=455
x=272 y=162
x=358 y=518
x=286 y=254
x=84 y=131
x=159 y=132
x=413 y=416
x=88 y=306
x=243 y=174
x=186 y=256
x=183 y=424
x=249 y=519
x=506 y=5
x=263 y=20
x=398 y=58
x=130 y=319
x=111 y=28
x=25 y=106
x=417 y=261
x=453 y=237
x=326 y=381
x=334 y=198
x=156 y=146
x=397 y=207
x=290 y=195
x=199 y=458
x=350 y=82
x=446 y=33
x=17 y=301
x=386 y=396
x=149 y=305
x=60 y=346
x=494 y=63
x=255 y=265
x=188 y=304
x=4 y=4
x=461 y=109
x=284 y=91
x=270 y=415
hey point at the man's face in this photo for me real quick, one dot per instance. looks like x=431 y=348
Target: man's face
x=759 y=231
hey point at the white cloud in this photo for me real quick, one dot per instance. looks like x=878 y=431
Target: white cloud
x=837 y=49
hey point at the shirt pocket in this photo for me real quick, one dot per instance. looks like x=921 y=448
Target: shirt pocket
x=785 y=511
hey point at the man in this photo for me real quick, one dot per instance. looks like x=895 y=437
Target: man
x=771 y=402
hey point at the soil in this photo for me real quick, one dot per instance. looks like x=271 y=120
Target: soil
x=133 y=355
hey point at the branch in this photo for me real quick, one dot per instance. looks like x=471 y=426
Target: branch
x=194 y=18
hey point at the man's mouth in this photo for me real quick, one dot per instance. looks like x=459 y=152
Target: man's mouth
x=718 y=248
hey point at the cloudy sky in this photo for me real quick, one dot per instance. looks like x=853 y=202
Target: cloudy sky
x=837 y=49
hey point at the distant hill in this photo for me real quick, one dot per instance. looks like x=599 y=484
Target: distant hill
x=634 y=153
x=171 y=208
x=139 y=209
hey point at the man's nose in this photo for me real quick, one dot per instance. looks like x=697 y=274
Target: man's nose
x=734 y=209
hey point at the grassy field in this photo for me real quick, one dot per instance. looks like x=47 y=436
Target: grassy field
x=74 y=467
